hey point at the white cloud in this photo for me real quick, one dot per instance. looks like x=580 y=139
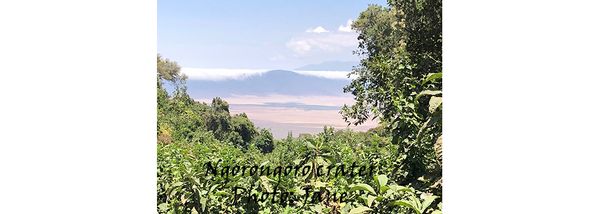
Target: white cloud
x=331 y=42
x=217 y=74
x=319 y=38
x=326 y=74
x=346 y=28
x=318 y=29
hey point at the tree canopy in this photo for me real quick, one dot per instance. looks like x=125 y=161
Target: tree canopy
x=399 y=79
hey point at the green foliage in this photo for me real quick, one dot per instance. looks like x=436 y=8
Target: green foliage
x=185 y=187
x=182 y=119
x=264 y=141
x=399 y=81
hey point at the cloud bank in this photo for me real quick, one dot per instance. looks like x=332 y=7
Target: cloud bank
x=346 y=28
x=220 y=74
x=329 y=42
x=325 y=74
x=320 y=39
x=217 y=74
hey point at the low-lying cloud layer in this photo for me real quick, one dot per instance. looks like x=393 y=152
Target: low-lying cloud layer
x=219 y=74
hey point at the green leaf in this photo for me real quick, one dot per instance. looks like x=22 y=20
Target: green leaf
x=264 y=163
x=428 y=93
x=383 y=189
x=370 y=200
x=364 y=187
x=427 y=200
x=398 y=188
x=381 y=181
x=221 y=192
x=203 y=203
x=360 y=209
x=163 y=207
x=432 y=77
x=310 y=145
x=408 y=204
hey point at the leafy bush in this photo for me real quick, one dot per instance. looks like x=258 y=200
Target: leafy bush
x=398 y=164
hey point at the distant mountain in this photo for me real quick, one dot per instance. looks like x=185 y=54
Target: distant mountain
x=329 y=66
x=272 y=82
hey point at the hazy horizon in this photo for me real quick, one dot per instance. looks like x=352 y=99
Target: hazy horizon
x=300 y=103
x=286 y=73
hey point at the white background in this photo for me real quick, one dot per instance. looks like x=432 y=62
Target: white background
x=78 y=109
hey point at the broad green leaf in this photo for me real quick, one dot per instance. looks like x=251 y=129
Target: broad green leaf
x=381 y=181
x=432 y=77
x=408 y=204
x=416 y=202
x=398 y=188
x=383 y=189
x=427 y=200
x=359 y=210
x=364 y=187
x=370 y=200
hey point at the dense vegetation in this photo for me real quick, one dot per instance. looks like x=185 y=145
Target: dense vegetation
x=398 y=81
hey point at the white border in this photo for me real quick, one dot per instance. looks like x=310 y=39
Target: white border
x=521 y=106
x=77 y=120
x=78 y=116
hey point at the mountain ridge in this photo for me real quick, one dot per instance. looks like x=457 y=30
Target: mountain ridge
x=283 y=82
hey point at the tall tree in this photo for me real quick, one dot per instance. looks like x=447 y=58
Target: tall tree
x=399 y=79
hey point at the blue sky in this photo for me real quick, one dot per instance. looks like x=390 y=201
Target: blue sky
x=231 y=47
x=257 y=34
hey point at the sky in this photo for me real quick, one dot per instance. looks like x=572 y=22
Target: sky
x=257 y=35
x=232 y=47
